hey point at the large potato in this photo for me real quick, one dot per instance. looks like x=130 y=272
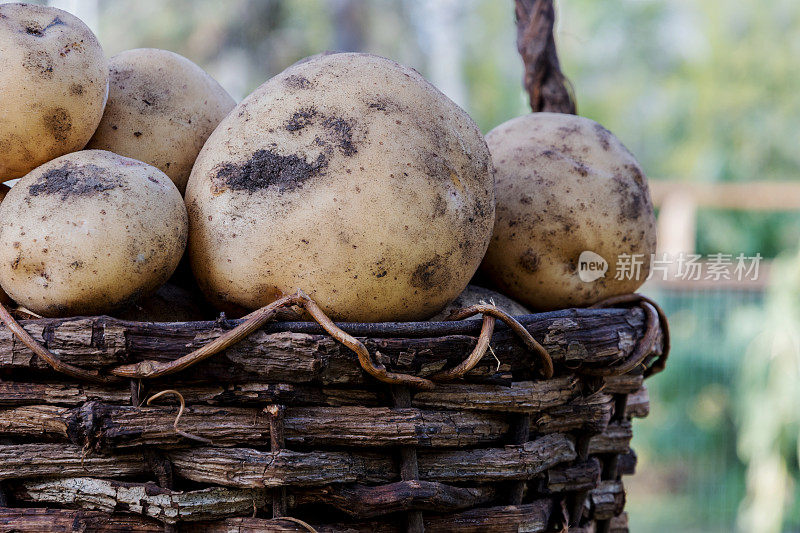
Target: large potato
x=350 y=177
x=53 y=86
x=161 y=109
x=565 y=186
x=89 y=232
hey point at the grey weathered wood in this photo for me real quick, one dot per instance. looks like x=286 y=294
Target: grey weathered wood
x=119 y=427
x=522 y=461
x=638 y=405
x=521 y=397
x=606 y=501
x=147 y=499
x=574 y=337
x=364 y=502
x=615 y=439
x=580 y=476
x=531 y=518
x=66 y=460
x=623 y=384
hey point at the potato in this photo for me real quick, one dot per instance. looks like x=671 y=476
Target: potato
x=347 y=176
x=5 y=299
x=565 y=186
x=161 y=109
x=89 y=232
x=473 y=295
x=53 y=86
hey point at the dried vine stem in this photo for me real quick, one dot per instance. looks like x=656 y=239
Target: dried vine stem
x=493 y=311
x=487 y=329
x=180 y=413
x=655 y=318
x=548 y=88
x=49 y=357
x=377 y=371
x=154 y=369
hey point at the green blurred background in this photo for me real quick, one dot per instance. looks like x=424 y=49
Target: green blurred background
x=700 y=91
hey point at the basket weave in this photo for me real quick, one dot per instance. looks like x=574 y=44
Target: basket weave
x=287 y=424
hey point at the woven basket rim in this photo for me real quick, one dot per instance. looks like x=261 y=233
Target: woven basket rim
x=418 y=329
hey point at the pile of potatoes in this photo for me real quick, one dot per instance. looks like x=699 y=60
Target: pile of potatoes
x=144 y=191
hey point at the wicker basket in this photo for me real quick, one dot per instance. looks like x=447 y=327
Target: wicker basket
x=285 y=423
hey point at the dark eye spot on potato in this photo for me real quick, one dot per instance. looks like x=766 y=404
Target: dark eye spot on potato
x=58 y=123
x=40 y=63
x=301 y=119
x=76 y=89
x=431 y=274
x=529 y=261
x=342 y=131
x=269 y=169
x=297 y=82
x=69 y=180
x=630 y=200
x=603 y=136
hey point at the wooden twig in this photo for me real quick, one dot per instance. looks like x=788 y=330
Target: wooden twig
x=656 y=325
x=548 y=89
x=474 y=357
x=46 y=355
x=491 y=310
x=178 y=417
x=154 y=369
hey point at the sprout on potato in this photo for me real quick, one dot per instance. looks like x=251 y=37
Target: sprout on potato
x=161 y=109
x=348 y=176
x=53 y=82
x=565 y=186
x=89 y=232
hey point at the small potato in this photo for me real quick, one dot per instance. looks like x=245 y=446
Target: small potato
x=89 y=232
x=568 y=192
x=53 y=86
x=350 y=177
x=473 y=295
x=161 y=109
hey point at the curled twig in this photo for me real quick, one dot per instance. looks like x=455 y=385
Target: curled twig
x=49 y=357
x=487 y=329
x=256 y=319
x=377 y=371
x=655 y=317
x=493 y=311
x=180 y=413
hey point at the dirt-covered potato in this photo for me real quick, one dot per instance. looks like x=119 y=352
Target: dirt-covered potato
x=161 y=109
x=572 y=206
x=348 y=176
x=89 y=232
x=473 y=295
x=5 y=299
x=53 y=86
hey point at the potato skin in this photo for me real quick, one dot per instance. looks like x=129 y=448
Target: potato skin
x=161 y=109
x=89 y=232
x=473 y=295
x=53 y=82
x=565 y=185
x=350 y=177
